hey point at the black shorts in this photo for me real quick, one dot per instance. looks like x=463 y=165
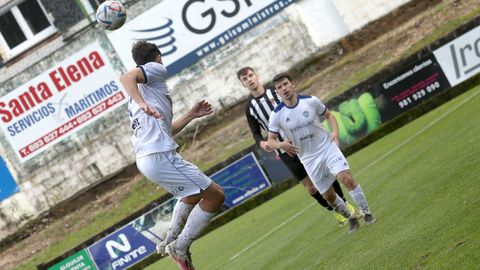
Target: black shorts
x=294 y=165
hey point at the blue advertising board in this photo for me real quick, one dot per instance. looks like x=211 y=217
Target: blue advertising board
x=276 y=170
x=121 y=249
x=241 y=180
x=8 y=186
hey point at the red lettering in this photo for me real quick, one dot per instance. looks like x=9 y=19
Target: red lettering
x=26 y=101
x=64 y=76
x=56 y=81
x=44 y=90
x=7 y=116
x=73 y=73
x=84 y=66
x=16 y=108
x=32 y=91
x=96 y=59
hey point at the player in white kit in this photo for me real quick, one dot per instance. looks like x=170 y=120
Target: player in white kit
x=150 y=109
x=300 y=118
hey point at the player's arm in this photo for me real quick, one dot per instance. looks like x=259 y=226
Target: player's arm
x=286 y=145
x=332 y=121
x=257 y=132
x=129 y=81
x=200 y=109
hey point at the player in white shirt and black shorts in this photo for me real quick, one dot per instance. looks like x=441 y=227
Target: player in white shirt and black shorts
x=300 y=118
x=150 y=111
x=260 y=104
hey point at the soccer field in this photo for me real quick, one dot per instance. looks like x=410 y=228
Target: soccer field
x=422 y=185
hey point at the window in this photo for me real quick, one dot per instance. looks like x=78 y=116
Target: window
x=90 y=7
x=23 y=25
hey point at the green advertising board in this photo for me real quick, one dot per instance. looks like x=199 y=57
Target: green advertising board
x=78 y=261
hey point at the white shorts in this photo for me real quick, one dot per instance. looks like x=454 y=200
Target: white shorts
x=328 y=164
x=173 y=173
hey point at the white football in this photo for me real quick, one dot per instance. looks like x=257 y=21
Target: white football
x=111 y=15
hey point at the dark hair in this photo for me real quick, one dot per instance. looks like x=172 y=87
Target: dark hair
x=243 y=71
x=144 y=52
x=281 y=76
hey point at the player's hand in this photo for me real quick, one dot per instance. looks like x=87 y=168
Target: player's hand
x=200 y=109
x=291 y=149
x=335 y=138
x=264 y=145
x=149 y=110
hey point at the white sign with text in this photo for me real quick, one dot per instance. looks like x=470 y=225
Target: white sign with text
x=60 y=101
x=460 y=58
x=187 y=30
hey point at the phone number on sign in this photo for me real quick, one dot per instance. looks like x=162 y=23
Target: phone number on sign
x=72 y=124
x=419 y=94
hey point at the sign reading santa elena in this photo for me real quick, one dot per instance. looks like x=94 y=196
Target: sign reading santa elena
x=60 y=101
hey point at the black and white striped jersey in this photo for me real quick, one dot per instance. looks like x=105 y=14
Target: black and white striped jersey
x=258 y=110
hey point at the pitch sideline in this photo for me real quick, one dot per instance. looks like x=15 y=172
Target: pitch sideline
x=467 y=99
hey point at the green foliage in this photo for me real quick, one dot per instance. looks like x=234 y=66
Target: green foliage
x=420 y=185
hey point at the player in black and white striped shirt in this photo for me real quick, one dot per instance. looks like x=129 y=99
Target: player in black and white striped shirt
x=258 y=109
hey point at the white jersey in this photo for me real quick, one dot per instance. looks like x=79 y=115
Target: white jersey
x=302 y=124
x=151 y=135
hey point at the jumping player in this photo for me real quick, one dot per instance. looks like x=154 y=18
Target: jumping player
x=150 y=108
x=259 y=106
x=299 y=117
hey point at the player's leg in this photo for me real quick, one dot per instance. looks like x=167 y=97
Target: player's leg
x=337 y=165
x=339 y=191
x=298 y=170
x=337 y=203
x=196 y=188
x=357 y=194
x=180 y=214
x=211 y=200
x=193 y=188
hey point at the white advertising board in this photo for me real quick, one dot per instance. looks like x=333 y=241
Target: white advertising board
x=187 y=30
x=460 y=58
x=60 y=101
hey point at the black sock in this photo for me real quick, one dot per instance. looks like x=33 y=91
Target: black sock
x=339 y=190
x=321 y=201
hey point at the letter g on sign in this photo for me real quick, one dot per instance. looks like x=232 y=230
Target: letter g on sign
x=208 y=13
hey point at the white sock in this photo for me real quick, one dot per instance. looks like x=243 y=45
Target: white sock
x=197 y=221
x=341 y=207
x=359 y=197
x=179 y=218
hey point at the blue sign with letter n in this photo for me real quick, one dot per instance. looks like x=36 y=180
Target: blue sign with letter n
x=121 y=249
x=8 y=186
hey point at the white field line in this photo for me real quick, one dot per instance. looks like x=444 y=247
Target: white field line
x=362 y=171
x=273 y=230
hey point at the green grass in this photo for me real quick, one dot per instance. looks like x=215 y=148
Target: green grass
x=424 y=195
x=141 y=193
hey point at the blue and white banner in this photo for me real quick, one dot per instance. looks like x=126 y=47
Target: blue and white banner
x=241 y=180
x=8 y=186
x=135 y=241
x=187 y=30
x=121 y=249
x=65 y=98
